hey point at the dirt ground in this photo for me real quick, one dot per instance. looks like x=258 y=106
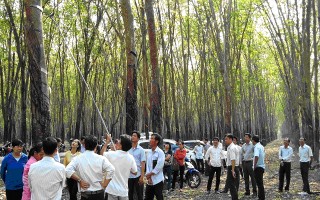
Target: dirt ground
x=270 y=182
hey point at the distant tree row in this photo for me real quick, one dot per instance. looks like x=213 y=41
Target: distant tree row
x=184 y=68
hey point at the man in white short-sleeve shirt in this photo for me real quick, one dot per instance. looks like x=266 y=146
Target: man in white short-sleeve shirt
x=306 y=156
x=214 y=156
x=47 y=177
x=92 y=171
x=231 y=167
x=124 y=164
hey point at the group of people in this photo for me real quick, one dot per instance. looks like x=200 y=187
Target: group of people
x=122 y=171
x=114 y=174
x=249 y=159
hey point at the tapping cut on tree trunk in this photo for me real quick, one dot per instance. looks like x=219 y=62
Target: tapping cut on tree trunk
x=39 y=91
x=131 y=88
x=156 y=111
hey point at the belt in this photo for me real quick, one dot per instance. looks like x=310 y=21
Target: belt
x=231 y=166
x=92 y=192
x=247 y=161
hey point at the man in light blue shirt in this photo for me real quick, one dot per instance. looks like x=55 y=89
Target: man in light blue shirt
x=285 y=156
x=198 y=150
x=154 y=174
x=306 y=156
x=135 y=182
x=259 y=165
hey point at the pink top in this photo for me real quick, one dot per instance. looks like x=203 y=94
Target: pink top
x=26 y=195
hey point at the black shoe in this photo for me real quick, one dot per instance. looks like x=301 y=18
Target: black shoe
x=217 y=192
x=254 y=194
x=310 y=192
x=247 y=193
x=223 y=191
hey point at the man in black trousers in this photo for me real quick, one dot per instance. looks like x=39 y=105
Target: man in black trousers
x=259 y=165
x=231 y=167
x=247 y=163
x=285 y=156
x=306 y=156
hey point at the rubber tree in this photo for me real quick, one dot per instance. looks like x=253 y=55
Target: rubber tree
x=40 y=102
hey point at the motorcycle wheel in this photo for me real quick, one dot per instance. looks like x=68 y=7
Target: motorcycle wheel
x=194 y=180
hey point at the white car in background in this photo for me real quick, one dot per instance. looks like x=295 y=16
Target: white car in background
x=190 y=154
x=191 y=144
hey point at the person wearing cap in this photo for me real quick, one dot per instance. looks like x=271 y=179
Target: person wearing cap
x=12 y=169
x=306 y=156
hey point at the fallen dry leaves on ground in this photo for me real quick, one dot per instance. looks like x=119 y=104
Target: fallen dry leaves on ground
x=270 y=182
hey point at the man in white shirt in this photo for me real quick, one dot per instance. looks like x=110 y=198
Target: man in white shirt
x=154 y=173
x=238 y=161
x=285 y=157
x=124 y=164
x=47 y=177
x=213 y=157
x=231 y=167
x=306 y=156
x=92 y=171
x=198 y=150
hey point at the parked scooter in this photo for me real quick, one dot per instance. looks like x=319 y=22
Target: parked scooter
x=191 y=175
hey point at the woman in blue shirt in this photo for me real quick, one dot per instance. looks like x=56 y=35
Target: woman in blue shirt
x=12 y=169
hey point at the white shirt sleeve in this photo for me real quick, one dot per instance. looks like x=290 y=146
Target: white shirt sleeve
x=71 y=168
x=108 y=168
x=310 y=151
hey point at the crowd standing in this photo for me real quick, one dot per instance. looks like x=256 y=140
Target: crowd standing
x=121 y=169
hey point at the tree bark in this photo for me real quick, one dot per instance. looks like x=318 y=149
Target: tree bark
x=131 y=89
x=156 y=112
x=40 y=102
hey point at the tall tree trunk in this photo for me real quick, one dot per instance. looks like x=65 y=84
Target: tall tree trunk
x=22 y=66
x=131 y=89
x=156 y=112
x=306 y=113
x=165 y=79
x=316 y=83
x=40 y=102
x=172 y=71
